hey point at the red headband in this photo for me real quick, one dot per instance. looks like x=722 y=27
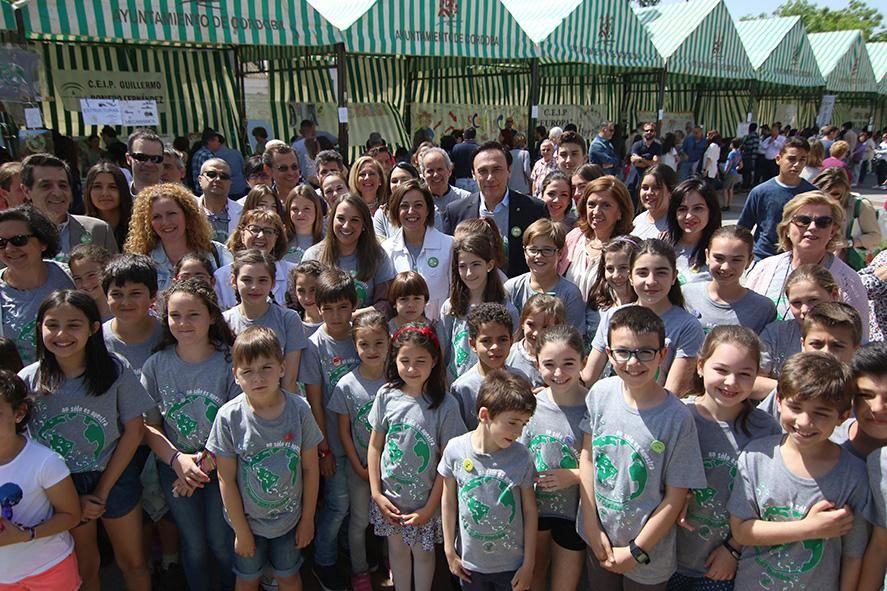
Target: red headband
x=425 y=331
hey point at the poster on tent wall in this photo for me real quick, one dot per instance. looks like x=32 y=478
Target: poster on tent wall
x=442 y=118
x=587 y=118
x=671 y=122
x=826 y=110
x=787 y=114
x=859 y=116
x=73 y=85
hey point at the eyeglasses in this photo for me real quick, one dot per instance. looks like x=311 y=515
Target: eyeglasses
x=258 y=230
x=643 y=355
x=649 y=131
x=213 y=174
x=287 y=168
x=546 y=251
x=19 y=240
x=820 y=221
x=142 y=157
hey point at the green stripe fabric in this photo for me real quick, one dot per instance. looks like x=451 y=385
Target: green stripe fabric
x=7 y=16
x=878 y=57
x=843 y=61
x=780 y=52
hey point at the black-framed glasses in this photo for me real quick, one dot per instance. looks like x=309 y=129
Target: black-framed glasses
x=546 y=251
x=211 y=174
x=287 y=168
x=644 y=355
x=257 y=230
x=142 y=157
x=19 y=240
x=820 y=221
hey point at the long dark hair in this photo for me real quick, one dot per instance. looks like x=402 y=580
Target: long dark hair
x=480 y=246
x=674 y=232
x=660 y=248
x=369 y=254
x=422 y=335
x=122 y=228
x=220 y=334
x=102 y=368
x=738 y=336
x=600 y=297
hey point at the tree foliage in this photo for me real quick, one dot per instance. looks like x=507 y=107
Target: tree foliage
x=818 y=19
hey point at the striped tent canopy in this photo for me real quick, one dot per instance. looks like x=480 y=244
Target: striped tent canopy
x=205 y=22
x=878 y=56
x=697 y=38
x=780 y=52
x=598 y=32
x=843 y=61
x=7 y=16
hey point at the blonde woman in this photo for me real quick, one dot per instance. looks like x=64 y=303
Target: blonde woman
x=367 y=179
x=166 y=224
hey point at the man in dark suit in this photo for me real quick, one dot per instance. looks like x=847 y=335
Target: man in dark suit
x=512 y=211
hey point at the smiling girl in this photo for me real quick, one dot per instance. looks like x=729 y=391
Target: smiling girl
x=108 y=198
x=303 y=220
x=657 y=185
x=693 y=216
x=557 y=194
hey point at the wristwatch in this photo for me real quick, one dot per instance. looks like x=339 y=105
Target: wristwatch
x=640 y=556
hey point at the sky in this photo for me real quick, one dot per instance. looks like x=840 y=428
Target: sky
x=739 y=8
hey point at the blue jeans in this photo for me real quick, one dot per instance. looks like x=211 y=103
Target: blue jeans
x=280 y=553
x=332 y=515
x=203 y=530
x=686 y=169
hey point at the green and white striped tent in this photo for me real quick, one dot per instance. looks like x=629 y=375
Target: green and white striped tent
x=7 y=16
x=843 y=61
x=780 y=52
x=211 y=22
x=699 y=39
x=878 y=56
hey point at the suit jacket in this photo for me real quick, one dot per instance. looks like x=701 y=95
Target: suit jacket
x=523 y=210
x=84 y=229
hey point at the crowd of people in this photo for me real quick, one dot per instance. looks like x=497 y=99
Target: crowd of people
x=547 y=367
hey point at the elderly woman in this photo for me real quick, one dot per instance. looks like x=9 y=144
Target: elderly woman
x=604 y=211
x=837 y=156
x=546 y=164
x=861 y=230
x=166 y=224
x=810 y=231
x=265 y=231
x=27 y=239
x=416 y=245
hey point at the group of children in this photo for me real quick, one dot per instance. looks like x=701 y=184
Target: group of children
x=267 y=427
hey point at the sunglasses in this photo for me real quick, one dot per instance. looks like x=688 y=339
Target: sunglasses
x=821 y=221
x=213 y=174
x=642 y=355
x=285 y=168
x=142 y=157
x=19 y=240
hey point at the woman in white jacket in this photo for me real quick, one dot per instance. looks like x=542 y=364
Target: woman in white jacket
x=416 y=245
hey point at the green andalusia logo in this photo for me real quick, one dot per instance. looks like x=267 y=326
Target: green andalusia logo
x=784 y=563
x=709 y=516
x=192 y=416
x=335 y=369
x=403 y=465
x=613 y=454
x=271 y=476
x=488 y=522
x=360 y=426
x=61 y=431
x=550 y=453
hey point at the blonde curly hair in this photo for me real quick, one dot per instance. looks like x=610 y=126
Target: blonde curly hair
x=811 y=198
x=142 y=239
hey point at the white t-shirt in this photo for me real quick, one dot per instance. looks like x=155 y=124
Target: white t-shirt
x=712 y=153
x=35 y=469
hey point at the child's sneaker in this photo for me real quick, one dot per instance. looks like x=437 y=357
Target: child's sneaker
x=361 y=582
x=269 y=583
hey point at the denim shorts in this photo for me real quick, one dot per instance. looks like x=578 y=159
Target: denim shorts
x=280 y=552
x=125 y=494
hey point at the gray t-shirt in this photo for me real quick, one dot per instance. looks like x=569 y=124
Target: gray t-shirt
x=688 y=273
x=415 y=435
x=365 y=289
x=296 y=248
x=780 y=339
x=452 y=331
x=519 y=358
x=644 y=228
x=752 y=311
x=518 y=291
x=636 y=454
x=841 y=436
x=285 y=323
x=683 y=336
x=721 y=443
x=877 y=472
x=765 y=489
x=554 y=437
x=135 y=353
x=465 y=390
x=770 y=405
x=491 y=517
x=353 y=397
x=188 y=395
x=325 y=362
x=18 y=309
x=269 y=460
x=84 y=429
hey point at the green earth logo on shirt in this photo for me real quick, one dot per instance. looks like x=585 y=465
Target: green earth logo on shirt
x=28 y=336
x=270 y=477
x=403 y=465
x=709 y=516
x=336 y=368
x=462 y=353
x=360 y=426
x=488 y=522
x=613 y=454
x=190 y=413
x=550 y=453
x=784 y=563
x=62 y=431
